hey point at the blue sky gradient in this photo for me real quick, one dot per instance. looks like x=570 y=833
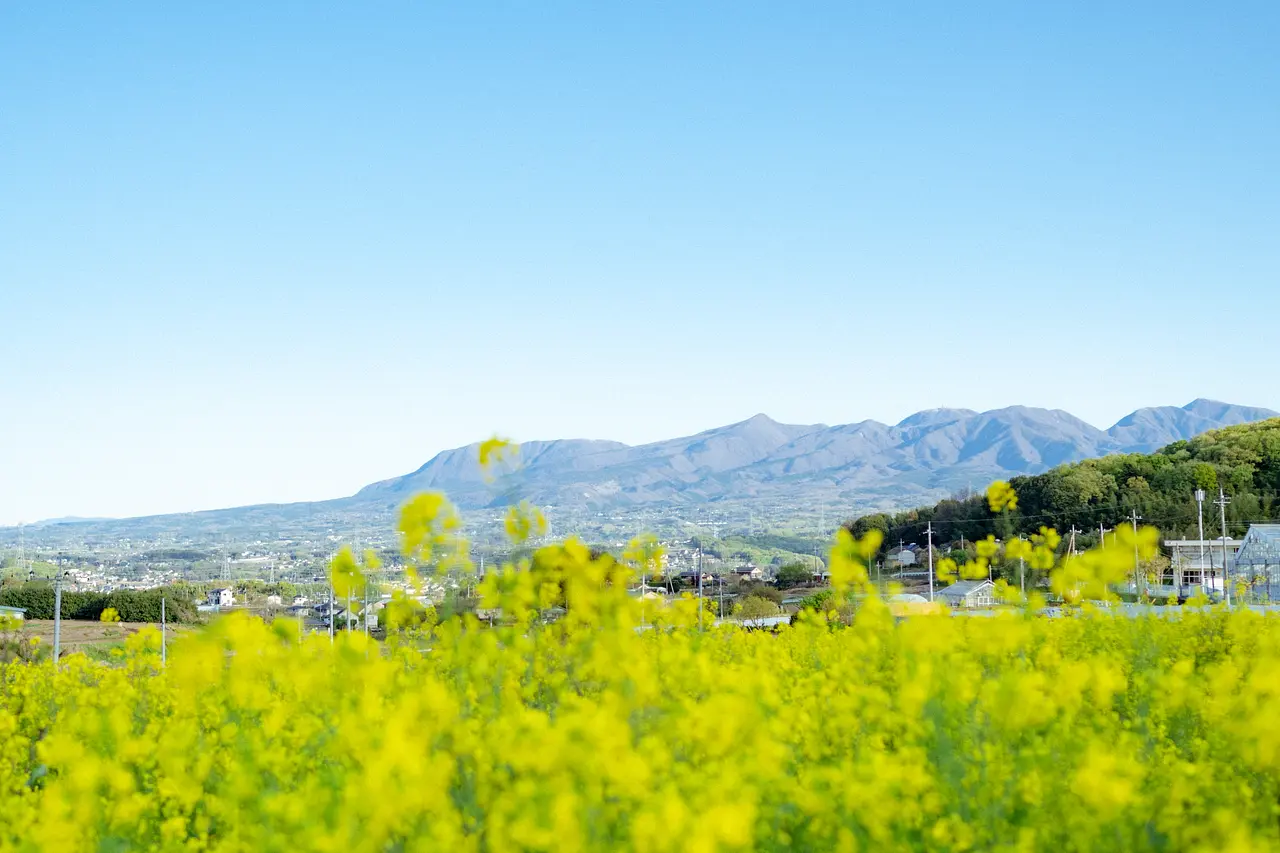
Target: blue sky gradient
x=274 y=251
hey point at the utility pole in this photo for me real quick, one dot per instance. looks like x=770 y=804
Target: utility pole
x=701 y=608
x=57 y=618
x=1137 y=573
x=929 y=531
x=1222 y=502
x=1022 y=572
x=1200 y=519
x=644 y=587
x=331 y=614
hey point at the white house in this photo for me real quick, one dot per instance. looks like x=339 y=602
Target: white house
x=273 y=601
x=223 y=597
x=968 y=594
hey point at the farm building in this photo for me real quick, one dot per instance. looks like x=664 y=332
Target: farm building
x=7 y=612
x=968 y=594
x=910 y=604
x=1257 y=561
x=1196 y=563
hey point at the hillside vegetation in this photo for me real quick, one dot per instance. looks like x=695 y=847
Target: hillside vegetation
x=1244 y=461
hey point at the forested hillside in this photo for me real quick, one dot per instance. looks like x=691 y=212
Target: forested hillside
x=1244 y=461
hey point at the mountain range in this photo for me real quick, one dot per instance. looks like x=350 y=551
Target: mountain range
x=927 y=454
x=784 y=469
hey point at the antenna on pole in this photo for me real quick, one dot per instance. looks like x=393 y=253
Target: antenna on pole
x=1200 y=521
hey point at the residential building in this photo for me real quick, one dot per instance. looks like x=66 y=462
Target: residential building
x=223 y=597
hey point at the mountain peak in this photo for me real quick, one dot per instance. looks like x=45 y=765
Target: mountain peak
x=762 y=425
x=935 y=417
x=1226 y=413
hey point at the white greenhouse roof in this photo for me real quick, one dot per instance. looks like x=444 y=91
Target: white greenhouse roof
x=1261 y=546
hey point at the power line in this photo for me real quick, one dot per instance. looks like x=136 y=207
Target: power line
x=1094 y=510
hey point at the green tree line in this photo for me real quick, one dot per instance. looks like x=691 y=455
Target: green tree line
x=1243 y=461
x=37 y=597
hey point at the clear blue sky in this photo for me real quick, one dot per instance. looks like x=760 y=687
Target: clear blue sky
x=274 y=251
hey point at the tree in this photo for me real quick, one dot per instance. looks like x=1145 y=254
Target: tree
x=763 y=590
x=754 y=608
x=1244 y=460
x=793 y=574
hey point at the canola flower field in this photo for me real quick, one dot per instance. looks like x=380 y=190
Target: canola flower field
x=850 y=730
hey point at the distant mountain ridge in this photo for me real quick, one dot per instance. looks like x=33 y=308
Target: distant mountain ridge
x=856 y=467
x=927 y=453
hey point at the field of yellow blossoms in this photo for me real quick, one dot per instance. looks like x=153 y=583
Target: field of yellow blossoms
x=616 y=729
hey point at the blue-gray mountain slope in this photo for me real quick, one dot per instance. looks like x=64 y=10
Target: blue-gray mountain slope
x=939 y=450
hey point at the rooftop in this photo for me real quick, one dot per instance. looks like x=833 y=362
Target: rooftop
x=1260 y=546
x=960 y=589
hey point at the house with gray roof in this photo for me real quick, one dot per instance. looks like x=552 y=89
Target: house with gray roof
x=968 y=595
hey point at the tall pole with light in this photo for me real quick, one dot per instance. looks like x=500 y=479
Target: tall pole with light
x=1200 y=519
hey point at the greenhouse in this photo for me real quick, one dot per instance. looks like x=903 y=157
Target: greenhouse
x=1258 y=561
